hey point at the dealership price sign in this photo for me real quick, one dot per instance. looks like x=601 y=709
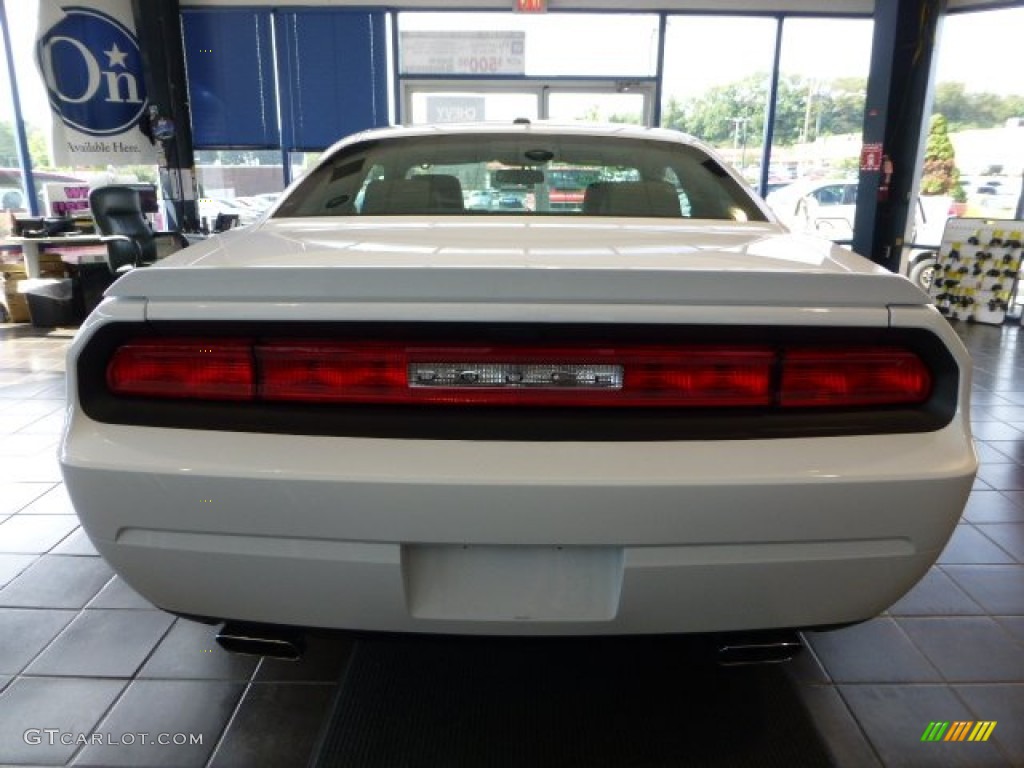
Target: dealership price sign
x=90 y=62
x=66 y=199
x=463 y=53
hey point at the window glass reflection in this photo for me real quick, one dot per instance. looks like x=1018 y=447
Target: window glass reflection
x=819 y=122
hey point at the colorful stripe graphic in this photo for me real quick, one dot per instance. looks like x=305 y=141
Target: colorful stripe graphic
x=960 y=730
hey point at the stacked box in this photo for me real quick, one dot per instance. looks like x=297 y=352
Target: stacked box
x=12 y=273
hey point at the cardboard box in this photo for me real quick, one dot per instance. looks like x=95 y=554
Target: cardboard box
x=7 y=224
x=50 y=264
x=14 y=302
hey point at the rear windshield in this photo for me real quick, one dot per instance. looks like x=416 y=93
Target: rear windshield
x=521 y=174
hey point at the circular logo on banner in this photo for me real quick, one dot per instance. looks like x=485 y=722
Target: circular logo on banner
x=93 y=72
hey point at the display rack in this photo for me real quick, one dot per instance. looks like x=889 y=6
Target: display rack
x=977 y=269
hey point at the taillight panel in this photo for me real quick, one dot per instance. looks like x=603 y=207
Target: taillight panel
x=213 y=369
x=488 y=374
x=685 y=376
x=520 y=381
x=853 y=377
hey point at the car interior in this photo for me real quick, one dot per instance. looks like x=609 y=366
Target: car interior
x=510 y=175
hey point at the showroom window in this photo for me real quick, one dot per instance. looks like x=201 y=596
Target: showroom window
x=472 y=67
x=12 y=183
x=823 y=74
x=556 y=44
x=981 y=100
x=724 y=104
x=819 y=123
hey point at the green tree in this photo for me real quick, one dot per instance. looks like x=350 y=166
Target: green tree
x=594 y=114
x=843 y=107
x=952 y=103
x=941 y=176
x=805 y=109
x=715 y=115
x=964 y=110
x=672 y=115
x=8 y=149
x=38 y=149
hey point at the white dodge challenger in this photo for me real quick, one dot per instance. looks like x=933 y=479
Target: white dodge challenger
x=519 y=380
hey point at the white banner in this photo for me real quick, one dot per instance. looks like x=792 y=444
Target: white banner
x=463 y=53
x=90 y=62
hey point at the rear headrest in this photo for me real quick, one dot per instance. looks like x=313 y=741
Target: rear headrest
x=631 y=198
x=428 y=193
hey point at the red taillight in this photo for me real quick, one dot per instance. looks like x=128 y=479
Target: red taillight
x=183 y=368
x=622 y=375
x=632 y=376
x=325 y=372
x=853 y=377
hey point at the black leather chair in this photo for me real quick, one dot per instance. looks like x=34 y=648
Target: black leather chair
x=123 y=227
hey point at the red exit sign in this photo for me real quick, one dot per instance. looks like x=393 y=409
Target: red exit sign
x=531 y=6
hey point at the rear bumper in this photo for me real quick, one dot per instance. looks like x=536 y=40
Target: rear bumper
x=518 y=538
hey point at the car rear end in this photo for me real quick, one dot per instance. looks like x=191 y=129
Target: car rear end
x=427 y=444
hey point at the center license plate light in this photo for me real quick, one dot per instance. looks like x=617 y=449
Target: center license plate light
x=516 y=375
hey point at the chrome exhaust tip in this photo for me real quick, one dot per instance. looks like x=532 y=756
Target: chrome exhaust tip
x=773 y=649
x=261 y=640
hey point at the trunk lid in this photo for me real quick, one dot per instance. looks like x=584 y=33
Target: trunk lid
x=511 y=260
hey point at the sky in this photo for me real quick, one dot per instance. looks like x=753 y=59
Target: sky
x=980 y=49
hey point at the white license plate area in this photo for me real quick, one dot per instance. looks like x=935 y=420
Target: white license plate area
x=512 y=584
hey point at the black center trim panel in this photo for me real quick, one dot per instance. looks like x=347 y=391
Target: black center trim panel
x=519 y=423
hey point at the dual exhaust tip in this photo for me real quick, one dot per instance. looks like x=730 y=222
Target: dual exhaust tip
x=288 y=644
x=262 y=640
x=758 y=649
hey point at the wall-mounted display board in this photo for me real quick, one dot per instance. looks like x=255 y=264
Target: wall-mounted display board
x=978 y=269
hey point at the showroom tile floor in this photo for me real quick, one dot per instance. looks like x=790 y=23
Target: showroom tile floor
x=82 y=653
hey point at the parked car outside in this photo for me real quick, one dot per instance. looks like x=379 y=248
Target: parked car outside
x=375 y=410
x=829 y=207
x=211 y=207
x=824 y=207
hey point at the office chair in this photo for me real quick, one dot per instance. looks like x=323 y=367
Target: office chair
x=124 y=229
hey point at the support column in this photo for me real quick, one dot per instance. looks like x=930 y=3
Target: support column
x=20 y=138
x=898 y=89
x=158 y=26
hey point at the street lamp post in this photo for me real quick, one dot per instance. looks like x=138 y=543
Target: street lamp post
x=739 y=127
